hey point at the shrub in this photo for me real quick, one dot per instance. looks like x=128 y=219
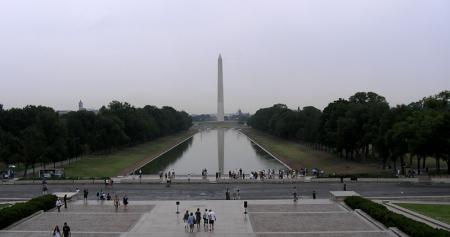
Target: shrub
x=18 y=211
x=390 y=219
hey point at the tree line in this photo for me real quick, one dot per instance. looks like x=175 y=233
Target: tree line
x=364 y=126
x=39 y=134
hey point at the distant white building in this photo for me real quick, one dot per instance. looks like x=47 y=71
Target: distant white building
x=80 y=106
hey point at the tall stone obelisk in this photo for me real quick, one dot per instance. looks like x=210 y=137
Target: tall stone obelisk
x=220 y=106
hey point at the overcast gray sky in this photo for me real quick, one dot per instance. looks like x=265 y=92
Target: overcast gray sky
x=165 y=52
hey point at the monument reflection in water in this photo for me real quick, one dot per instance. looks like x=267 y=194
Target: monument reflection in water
x=216 y=150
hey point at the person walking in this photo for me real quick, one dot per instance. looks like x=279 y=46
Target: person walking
x=44 y=188
x=185 y=220
x=58 y=204
x=238 y=193
x=66 y=230
x=191 y=222
x=198 y=218
x=125 y=201
x=211 y=219
x=294 y=193
x=227 y=195
x=65 y=201
x=56 y=232
x=205 y=219
x=85 y=194
x=116 y=202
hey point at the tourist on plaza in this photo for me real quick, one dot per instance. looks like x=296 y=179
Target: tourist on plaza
x=56 y=232
x=191 y=222
x=185 y=219
x=294 y=193
x=85 y=194
x=98 y=196
x=65 y=201
x=238 y=191
x=125 y=201
x=314 y=194
x=58 y=204
x=345 y=187
x=116 y=202
x=211 y=219
x=66 y=230
x=227 y=195
x=205 y=219
x=44 y=188
x=108 y=197
x=198 y=218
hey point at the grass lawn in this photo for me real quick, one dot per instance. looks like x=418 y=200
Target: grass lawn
x=440 y=212
x=297 y=155
x=3 y=205
x=119 y=161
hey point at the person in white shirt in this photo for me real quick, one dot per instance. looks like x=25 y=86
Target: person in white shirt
x=211 y=219
x=59 y=204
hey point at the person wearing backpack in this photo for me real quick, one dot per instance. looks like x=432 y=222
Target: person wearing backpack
x=198 y=218
x=185 y=220
x=205 y=219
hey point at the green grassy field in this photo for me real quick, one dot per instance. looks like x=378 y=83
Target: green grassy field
x=297 y=155
x=3 y=205
x=122 y=160
x=440 y=212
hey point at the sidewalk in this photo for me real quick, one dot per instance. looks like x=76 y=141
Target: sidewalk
x=306 y=218
x=224 y=179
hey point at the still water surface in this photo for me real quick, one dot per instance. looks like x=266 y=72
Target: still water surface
x=216 y=150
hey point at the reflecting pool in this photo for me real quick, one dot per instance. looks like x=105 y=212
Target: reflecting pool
x=215 y=150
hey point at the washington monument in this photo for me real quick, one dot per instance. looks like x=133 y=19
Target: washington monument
x=220 y=113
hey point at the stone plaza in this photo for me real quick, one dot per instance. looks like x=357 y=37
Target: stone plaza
x=307 y=217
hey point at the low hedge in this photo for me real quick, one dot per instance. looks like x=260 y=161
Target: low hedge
x=390 y=219
x=18 y=211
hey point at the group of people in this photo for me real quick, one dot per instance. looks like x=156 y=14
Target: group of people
x=191 y=219
x=65 y=231
x=204 y=173
x=236 y=194
x=167 y=175
x=101 y=197
x=267 y=174
x=281 y=174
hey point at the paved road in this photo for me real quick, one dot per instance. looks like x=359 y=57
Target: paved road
x=217 y=191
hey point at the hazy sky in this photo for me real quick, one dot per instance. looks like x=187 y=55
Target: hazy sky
x=165 y=52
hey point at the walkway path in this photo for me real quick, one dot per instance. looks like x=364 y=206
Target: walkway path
x=269 y=218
